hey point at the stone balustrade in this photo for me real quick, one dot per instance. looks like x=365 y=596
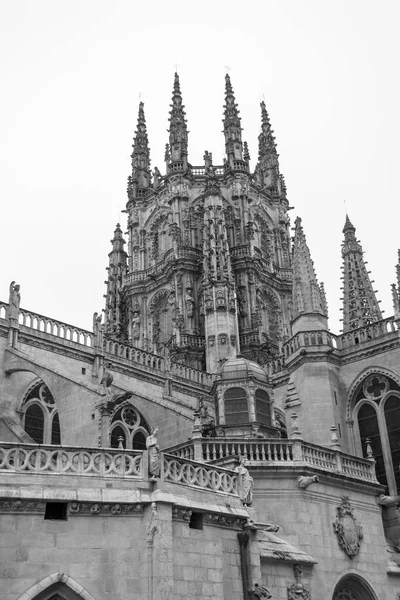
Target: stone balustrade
x=276 y=452
x=65 y=460
x=135 y=355
x=305 y=339
x=369 y=333
x=191 y=374
x=194 y=474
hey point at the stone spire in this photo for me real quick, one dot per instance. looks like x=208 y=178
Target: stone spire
x=114 y=311
x=140 y=178
x=232 y=126
x=396 y=290
x=308 y=295
x=267 y=153
x=178 y=133
x=360 y=306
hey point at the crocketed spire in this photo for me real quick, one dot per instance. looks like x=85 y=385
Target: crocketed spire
x=308 y=295
x=232 y=125
x=140 y=178
x=178 y=133
x=360 y=306
x=396 y=289
x=268 y=164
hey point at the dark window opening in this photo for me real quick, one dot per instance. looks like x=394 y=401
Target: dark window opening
x=139 y=441
x=55 y=431
x=117 y=433
x=196 y=521
x=83 y=371
x=236 y=409
x=56 y=511
x=263 y=407
x=368 y=425
x=34 y=423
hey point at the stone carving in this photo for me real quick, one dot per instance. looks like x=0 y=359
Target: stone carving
x=13 y=304
x=298 y=591
x=154 y=454
x=221 y=303
x=387 y=500
x=348 y=531
x=109 y=509
x=260 y=592
x=223 y=338
x=105 y=378
x=211 y=340
x=136 y=325
x=98 y=331
x=189 y=302
x=152 y=525
x=116 y=399
x=181 y=514
x=245 y=483
x=225 y=521
x=306 y=480
x=233 y=340
x=26 y=506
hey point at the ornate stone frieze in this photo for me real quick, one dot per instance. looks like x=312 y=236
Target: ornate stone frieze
x=181 y=514
x=224 y=521
x=22 y=506
x=105 y=509
x=348 y=531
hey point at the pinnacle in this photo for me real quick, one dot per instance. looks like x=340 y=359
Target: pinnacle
x=177 y=87
x=348 y=225
x=228 y=85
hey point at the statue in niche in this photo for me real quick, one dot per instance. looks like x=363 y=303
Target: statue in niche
x=209 y=169
x=98 y=331
x=189 y=302
x=154 y=454
x=245 y=483
x=136 y=325
x=220 y=299
x=13 y=304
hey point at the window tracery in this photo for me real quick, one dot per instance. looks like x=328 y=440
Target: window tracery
x=376 y=413
x=40 y=416
x=128 y=424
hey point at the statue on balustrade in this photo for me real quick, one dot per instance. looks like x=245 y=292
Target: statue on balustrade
x=98 y=331
x=136 y=326
x=14 y=302
x=245 y=483
x=154 y=454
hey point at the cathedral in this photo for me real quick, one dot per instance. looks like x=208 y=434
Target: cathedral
x=210 y=438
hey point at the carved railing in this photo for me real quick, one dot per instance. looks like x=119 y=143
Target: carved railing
x=369 y=333
x=187 y=339
x=194 y=474
x=192 y=374
x=255 y=450
x=238 y=251
x=275 y=365
x=57 y=460
x=136 y=355
x=276 y=452
x=305 y=339
x=50 y=326
x=283 y=273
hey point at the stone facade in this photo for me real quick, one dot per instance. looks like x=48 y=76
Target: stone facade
x=211 y=438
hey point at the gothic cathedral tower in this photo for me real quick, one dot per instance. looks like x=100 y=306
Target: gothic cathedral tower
x=207 y=274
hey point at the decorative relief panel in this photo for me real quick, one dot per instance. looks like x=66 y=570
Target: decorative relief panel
x=109 y=509
x=348 y=531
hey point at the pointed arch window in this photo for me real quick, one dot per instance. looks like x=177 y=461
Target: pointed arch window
x=377 y=418
x=39 y=415
x=129 y=428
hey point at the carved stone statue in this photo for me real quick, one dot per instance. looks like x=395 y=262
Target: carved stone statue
x=260 y=592
x=117 y=399
x=98 y=331
x=106 y=378
x=154 y=453
x=136 y=325
x=189 y=302
x=156 y=178
x=14 y=302
x=245 y=483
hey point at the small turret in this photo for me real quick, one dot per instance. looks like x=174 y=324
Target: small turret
x=114 y=311
x=176 y=155
x=141 y=176
x=309 y=299
x=360 y=306
x=232 y=127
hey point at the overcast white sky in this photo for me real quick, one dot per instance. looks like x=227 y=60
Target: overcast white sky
x=71 y=75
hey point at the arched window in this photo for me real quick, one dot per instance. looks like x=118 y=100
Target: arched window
x=263 y=407
x=128 y=427
x=39 y=415
x=353 y=587
x=236 y=408
x=377 y=418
